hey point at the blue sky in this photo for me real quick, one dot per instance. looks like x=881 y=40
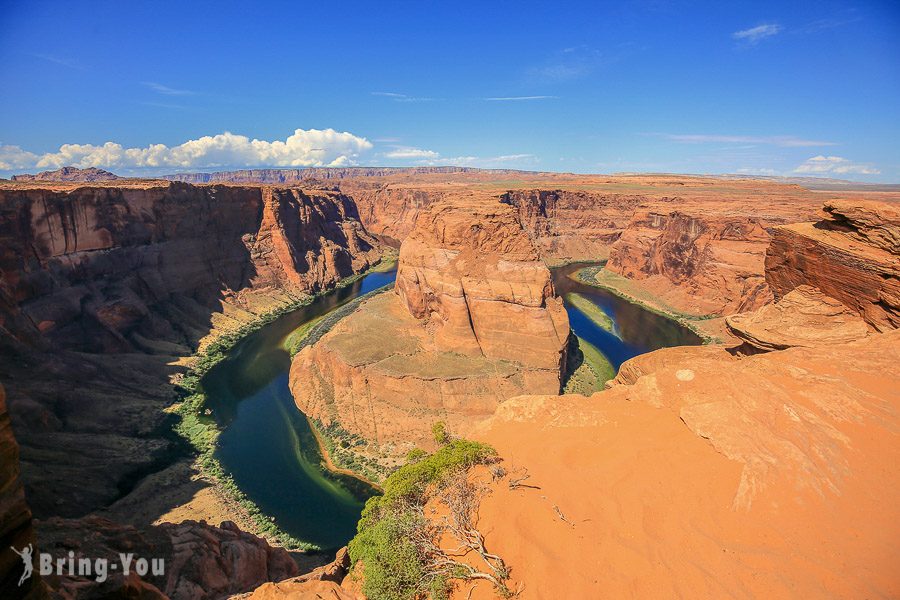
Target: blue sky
x=781 y=88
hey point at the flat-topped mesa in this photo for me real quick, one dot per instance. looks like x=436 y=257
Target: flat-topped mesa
x=853 y=255
x=474 y=274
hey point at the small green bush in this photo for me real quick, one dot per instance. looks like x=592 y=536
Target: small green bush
x=439 y=431
x=393 y=565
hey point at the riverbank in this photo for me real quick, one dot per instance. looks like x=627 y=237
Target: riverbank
x=201 y=431
x=708 y=327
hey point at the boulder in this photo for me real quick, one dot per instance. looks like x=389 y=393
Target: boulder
x=805 y=317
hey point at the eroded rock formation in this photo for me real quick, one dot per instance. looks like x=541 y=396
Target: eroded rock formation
x=804 y=317
x=69 y=174
x=573 y=225
x=16 y=529
x=702 y=257
x=104 y=286
x=852 y=256
x=474 y=321
x=471 y=272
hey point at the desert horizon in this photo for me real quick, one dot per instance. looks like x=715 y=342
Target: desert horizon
x=449 y=302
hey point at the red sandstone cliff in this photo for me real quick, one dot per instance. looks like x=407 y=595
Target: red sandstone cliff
x=103 y=286
x=569 y=225
x=853 y=256
x=702 y=257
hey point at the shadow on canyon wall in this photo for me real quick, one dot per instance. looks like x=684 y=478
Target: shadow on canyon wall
x=104 y=289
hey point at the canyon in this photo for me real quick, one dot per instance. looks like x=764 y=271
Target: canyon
x=473 y=321
x=772 y=446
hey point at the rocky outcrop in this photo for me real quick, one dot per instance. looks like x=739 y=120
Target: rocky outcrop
x=104 y=286
x=851 y=256
x=702 y=257
x=67 y=174
x=728 y=477
x=569 y=226
x=201 y=561
x=474 y=321
x=805 y=317
x=479 y=281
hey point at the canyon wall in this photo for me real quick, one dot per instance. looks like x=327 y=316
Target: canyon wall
x=702 y=257
x=103 y=288
x=853 y=255
x=570 y=225
x=16 y=530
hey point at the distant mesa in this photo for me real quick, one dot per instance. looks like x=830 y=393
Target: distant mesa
x=69 y=174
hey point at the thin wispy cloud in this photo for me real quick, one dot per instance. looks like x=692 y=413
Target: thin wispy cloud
x=165 y=105
x=787 y=141
x=69 y=63
x=396 y=97
x=424 y=157
x=519 y=98
x=411 y=153
x=754 y=35
x=166 y=90
x=566 y=65
x=834 y=165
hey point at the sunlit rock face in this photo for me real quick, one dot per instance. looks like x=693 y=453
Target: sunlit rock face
x=472 y=321
x=473 y=274
x=853 y=255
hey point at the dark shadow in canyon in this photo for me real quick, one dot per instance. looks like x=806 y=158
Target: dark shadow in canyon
x=104 y=289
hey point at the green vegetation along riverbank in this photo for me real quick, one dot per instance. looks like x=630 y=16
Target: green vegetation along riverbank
x=597 y=276
x=201 y=431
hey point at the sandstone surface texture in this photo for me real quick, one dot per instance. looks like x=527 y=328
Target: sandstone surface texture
x=852 y=255
x=707 y=475
x=202 y=561
x=804 y=317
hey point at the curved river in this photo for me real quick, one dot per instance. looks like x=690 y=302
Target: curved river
x=270 y=450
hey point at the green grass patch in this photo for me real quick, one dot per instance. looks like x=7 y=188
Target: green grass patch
x=201 y=430
x=593 y=312
x=587 y=369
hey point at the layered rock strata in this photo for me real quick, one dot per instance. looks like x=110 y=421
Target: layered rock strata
x=852 y=256
x=474 y=321
x=16 y=531
x=572 y=225
x=804 y=317
x=104 y=286
x=702 y=257
x=201 y=561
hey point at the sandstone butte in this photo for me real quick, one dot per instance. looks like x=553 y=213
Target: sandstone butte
x=702 y=472
x=473 y=321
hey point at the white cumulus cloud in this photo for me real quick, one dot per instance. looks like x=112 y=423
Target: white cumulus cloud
x=755 y=34
x=834 y=165
x=304 y=148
